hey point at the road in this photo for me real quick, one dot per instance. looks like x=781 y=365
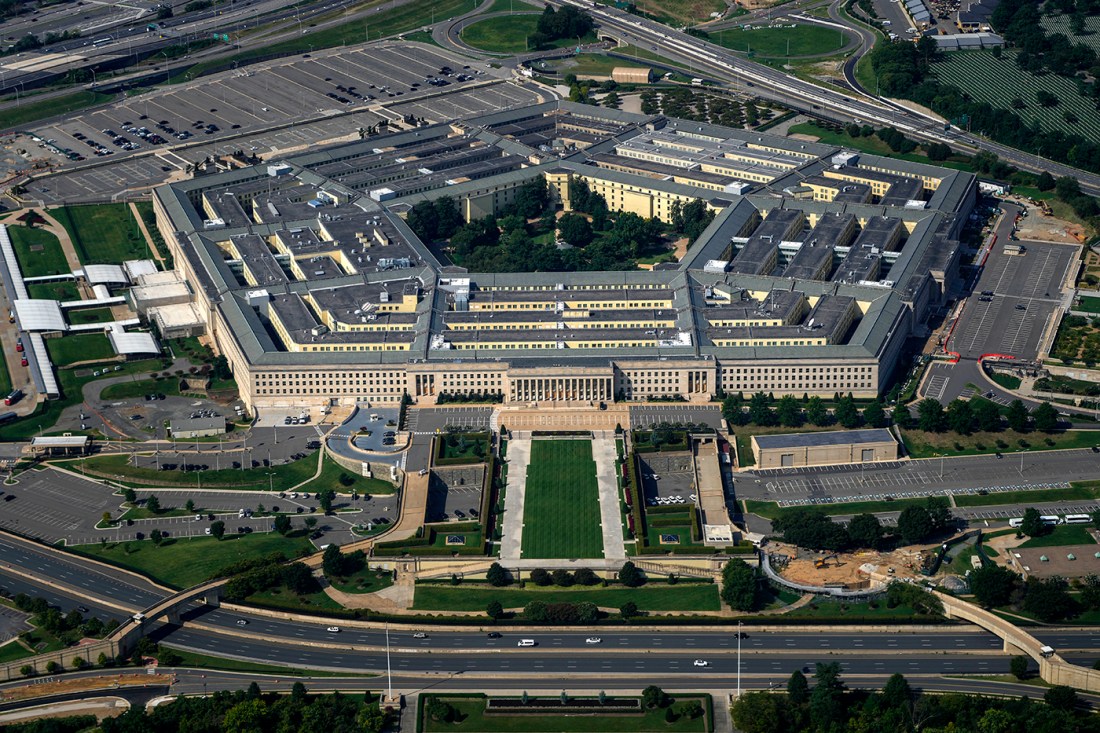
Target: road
x=716 y=62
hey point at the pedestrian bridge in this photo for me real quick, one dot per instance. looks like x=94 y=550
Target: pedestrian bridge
x=169 y=609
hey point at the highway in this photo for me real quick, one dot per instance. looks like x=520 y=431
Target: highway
x=709 y=59
x=769 y=651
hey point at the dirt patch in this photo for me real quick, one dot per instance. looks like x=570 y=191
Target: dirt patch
x=85 y=684
x=1040 y=227
x=807 y=567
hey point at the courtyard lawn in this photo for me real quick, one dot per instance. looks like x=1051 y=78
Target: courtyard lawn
x=366 y=580
x=561 y=515
x=82 y=316
x=64 y=290
x=79 y=347
x=653 y=596
x=471 y=716
x=182 y=563
x=38 y=252
x=103 y=233
x=1067 y=534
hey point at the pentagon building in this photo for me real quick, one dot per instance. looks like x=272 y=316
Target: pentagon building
x=818 y=265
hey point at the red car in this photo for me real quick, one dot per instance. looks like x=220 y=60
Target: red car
x=18 y=347
x=23 y=362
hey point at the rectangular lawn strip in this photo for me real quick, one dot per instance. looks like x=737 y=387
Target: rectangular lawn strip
x=38 y=252
x=103 y=233
x=81 y=316
x=471 y=716
x=30 y=112
x=79 y=347
x=140 y=388
x=561 y=515
x=182 y=563
x=282 y=599
x=209 y=661
x=654 y=596
x=13 y=650
x=1066 y=534
x=5 y=378
x=919 y=444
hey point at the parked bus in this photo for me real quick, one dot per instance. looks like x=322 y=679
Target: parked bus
x=1050 y=519
x=1077 y=519
x=12 y=398
x=1016 y=522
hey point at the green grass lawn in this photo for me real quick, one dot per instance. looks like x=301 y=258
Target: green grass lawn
x=679 y=12
x=140 y=388
x=81 y=316
x=79 y=347
x=508 y=34
x=282 y=477
x=281 y=598
x=920 y=444
x=654 y=596
x=472 y=717
x=31 y=111
x=365 y=581
x=5 y=378
x=103 y=233
x=861 y=610
x=1005 y=380
x=561 y=515
x=1066 y=534
x=39 y=252
x=597 y=64
x=467 y=448
x=64 y=291
x=13 y=651
x=182 y=563
x=1089 y=304
x=802 y=40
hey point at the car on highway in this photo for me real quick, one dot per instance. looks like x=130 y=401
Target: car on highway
x=593 y=640
x=242 y=622
x=701 y=663
x=494 y=634
x=420 y=635
x=333 y=629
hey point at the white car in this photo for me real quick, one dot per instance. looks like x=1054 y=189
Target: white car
x=242 y=622
x=593 y=640
x=420 y=635
x=333 y=629
x=701 y=663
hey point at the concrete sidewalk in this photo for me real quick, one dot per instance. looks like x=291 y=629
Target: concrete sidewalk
x=511 y=530
x=604 y=453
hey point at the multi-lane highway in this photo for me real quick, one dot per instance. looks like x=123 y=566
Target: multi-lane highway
x=712 y=60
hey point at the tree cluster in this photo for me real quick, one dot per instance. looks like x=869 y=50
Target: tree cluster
x=68 y=627
x=812 y=528
x=829 y=706
x=563 y=578
x=561 y=613
x=691 y=218
x=553 y=25
x=965 y=416
x=741 y=586
x=335 y=564
x=296 y=577
x=764 y=410
x=1048 y=599
x=251 y=711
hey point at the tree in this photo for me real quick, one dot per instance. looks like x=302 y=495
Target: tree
x=325 y=499
x=1017 y=416
x=540 y=576
x=26 y=670
x=826 y=700
x=1046 y=99
x=332 y=561
x=846 y=413
x=437 y=709
x=1061 y=697
x=106 y=520
x=371 y=718
x=77 y=663
x=897 y=693
x=654 y=697
x=1045 y=181
x=959 y=417
x=156 y=536
x=757 y=712
x=930 y=416
x=1045 y=417
x=992 y=585
x=1049 y=599
x=585 y=576
x=760 y=411
x=630 y=576
x=281 y=524
x=740 y=586
x=987 y=415
x=575 y=230
x=816 y=412
x=494 y=610
x=810 y=527
x=874 y=415
x=129 y=495
x=691 y=709
x=865 y=530
x=901 y=415
x=628 y=610
x=1018 y=666
x=939 y=511
x=217 y=529
x=914 y=524
x=497 y=575
x=190 y=505
x=562 y=577
x=788 y=412
x=798 y=690
x=1033 y=525
x=153 y=504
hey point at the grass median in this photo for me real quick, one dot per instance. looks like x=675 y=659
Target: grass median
x=184 y=562
x=32 y=111
x=654 y=596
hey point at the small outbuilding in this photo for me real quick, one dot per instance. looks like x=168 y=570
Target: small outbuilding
x=197 y=427
x=791 y=450
x=631 y=75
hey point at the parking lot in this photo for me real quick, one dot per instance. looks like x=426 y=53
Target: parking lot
x=1016 y=296
x=281 y=107
x=642 y=416
x=52 y=506
x=367 y=429
x=667 y=479
x=454 y=494
x=427 y=420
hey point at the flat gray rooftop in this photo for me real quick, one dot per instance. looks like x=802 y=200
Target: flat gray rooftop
x=817 y=440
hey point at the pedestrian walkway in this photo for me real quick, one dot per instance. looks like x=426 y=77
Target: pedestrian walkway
x=511 y=531
x=604 y=453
